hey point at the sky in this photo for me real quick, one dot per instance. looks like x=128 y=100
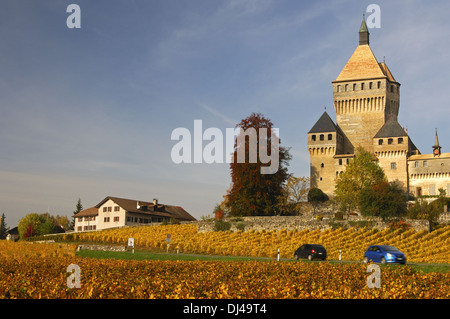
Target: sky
x=89 y=112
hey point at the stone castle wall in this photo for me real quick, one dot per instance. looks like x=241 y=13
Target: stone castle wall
x=278 y=223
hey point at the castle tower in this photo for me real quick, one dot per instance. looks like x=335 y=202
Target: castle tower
x=325 y=140
x=365 y=96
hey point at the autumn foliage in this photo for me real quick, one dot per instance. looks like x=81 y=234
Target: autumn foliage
x=253 y=193
x=40 y=271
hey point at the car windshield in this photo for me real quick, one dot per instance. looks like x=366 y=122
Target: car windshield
x=390 y=248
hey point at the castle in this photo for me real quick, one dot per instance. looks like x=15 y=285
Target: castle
x=366 y=99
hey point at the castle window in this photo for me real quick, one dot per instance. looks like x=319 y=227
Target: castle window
x=380 y=141
x=354 y=86
x=393 y=165
x=370 y=85
x=416 y=164
x=390 y=141
x=346 y=87
x=322 y=137
x=362 y=86
x=322 y=165
x=330 y=137
x=339 y=88
x=313 y=137
x=425 y=163
x=340 y=161
x=400 y=140
x=378 y=84
x=392 y=88
x=432 y=189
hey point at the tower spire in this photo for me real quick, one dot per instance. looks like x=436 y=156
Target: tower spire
x=436 y=147
x=363 y=32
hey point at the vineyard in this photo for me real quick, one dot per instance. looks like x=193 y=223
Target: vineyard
x=31 y=270
x=419 y=246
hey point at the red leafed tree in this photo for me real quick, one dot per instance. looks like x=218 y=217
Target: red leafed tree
x=252 y=192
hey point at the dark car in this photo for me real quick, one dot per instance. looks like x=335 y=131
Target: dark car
x=311 y=251
x=384 y=254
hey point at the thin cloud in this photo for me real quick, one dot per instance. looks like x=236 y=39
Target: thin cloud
x=222 y=116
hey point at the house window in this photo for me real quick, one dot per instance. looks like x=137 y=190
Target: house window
x=116 y=218
x=79 y=228
x=432 y=189
x=105 y=209
x=106 y=219
x=109 y=209
x=393 y=165
x=80 y=219
x=116 y=208
x=380 y=141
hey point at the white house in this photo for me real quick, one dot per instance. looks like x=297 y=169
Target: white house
x=116 y=212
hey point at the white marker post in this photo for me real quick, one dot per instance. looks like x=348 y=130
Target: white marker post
x=168 y=240
x=278 y=255
x=131 y=244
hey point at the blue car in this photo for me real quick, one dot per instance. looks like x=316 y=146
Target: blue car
x=384 y=254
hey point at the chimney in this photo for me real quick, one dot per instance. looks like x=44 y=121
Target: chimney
x=155 y=201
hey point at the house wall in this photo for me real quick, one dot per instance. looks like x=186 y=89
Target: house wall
x=86 y=223
x=110 y=215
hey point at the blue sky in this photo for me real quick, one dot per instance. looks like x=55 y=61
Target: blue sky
x=87 y=113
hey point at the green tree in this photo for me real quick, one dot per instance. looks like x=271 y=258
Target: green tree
x=361 y=172
x=78 y=208
x=3 y=227
x=422 y=209
x=316 y=196
x=29 y=225
x=253 y=193
x=383 y=199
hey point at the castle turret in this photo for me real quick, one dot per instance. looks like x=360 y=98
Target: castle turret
x=325 y=140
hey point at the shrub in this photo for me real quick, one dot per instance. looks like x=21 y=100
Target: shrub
x=221 y=225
